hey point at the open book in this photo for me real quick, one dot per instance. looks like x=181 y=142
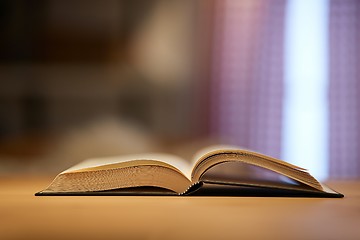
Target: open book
x=216 y=170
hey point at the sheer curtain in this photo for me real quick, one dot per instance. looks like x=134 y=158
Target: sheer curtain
x=344 y=91
x=247 y=74
x=247 y=79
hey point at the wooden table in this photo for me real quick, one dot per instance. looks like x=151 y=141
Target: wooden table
x=24 y=216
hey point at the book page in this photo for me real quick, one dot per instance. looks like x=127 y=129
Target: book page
x=214 y=155
x=239 y=172
x=159 y=159
x=199 y=156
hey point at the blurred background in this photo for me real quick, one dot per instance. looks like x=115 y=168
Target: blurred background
x=82 y=79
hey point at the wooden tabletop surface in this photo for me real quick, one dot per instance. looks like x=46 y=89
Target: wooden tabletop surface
x=24 y=216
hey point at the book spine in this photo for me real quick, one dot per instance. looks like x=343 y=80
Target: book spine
x=192 y=188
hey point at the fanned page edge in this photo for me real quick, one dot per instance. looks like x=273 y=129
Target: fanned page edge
x=120 y=178
x=106 y=164
x=289 y=170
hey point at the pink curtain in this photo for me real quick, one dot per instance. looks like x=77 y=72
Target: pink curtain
x=344 y=88
x=247 y=73
x=247 y=79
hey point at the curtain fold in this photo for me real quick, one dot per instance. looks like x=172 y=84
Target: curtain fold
x=246 y=96
x=247 y=74
x=344 y=90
